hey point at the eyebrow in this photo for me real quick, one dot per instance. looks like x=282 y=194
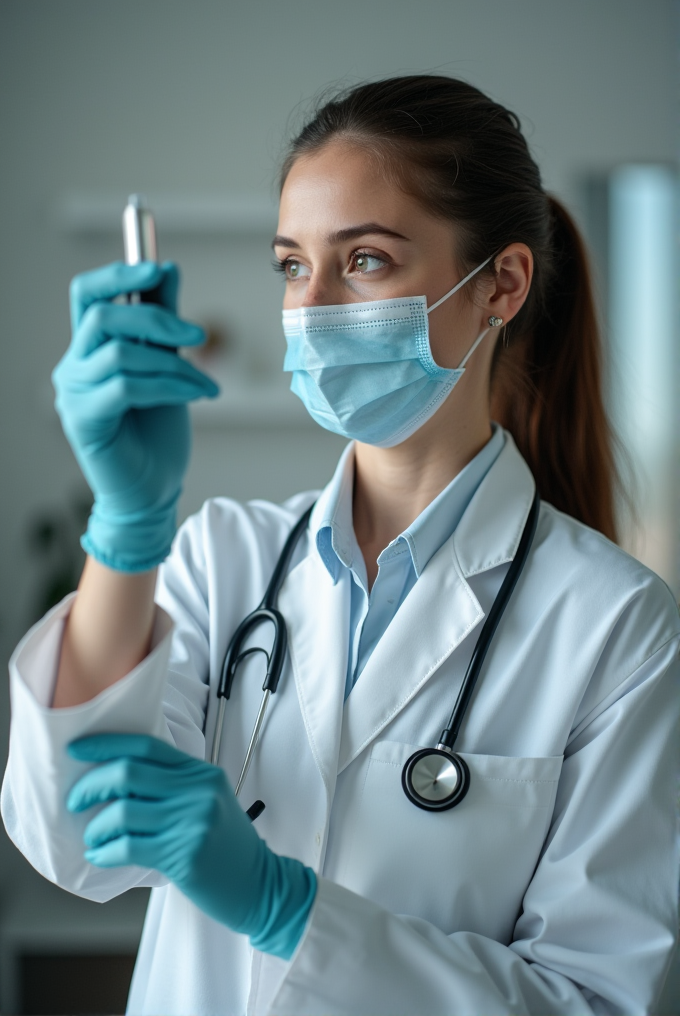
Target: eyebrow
x=342 y=235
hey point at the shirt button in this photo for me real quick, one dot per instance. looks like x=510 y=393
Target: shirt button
x=318 y=839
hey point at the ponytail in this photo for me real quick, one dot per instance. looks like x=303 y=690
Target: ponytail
x=465 y=158
x=547 y=389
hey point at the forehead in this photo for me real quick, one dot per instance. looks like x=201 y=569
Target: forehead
x=341 y=184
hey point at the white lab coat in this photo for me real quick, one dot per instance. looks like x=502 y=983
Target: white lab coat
x=550 y=889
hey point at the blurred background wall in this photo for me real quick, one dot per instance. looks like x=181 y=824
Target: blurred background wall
x=189 y=101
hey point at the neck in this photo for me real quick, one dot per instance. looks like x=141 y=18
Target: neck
x=392 y=486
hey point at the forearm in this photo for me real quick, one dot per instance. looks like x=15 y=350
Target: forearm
x=40 y=772
x=107 y=634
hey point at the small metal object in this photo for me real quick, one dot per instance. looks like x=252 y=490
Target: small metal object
x=254 y=738
x=139 y=242
x=139 y=231
x=435 y=779
x=495 y=322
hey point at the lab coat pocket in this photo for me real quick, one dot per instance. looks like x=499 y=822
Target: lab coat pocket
x=462 y=869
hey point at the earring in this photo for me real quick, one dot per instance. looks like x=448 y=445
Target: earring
x=495 y=322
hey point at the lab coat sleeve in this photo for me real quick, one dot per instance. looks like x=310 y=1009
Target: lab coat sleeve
x=39 y=771
x=165 y=696
x=599 y=917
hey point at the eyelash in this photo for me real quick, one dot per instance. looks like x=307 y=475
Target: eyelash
x=279 y=265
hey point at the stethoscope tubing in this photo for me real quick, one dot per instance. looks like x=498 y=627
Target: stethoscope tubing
x=442 y=775
x=437 y=779
x=452 y=729
x=265 y=612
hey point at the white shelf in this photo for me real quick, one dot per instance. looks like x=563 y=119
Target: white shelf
x=83 y=213
x=244 y=402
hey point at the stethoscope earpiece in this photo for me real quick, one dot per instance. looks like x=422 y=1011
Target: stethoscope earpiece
x=435 y=779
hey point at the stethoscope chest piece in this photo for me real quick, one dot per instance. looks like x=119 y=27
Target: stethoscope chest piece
x=435 y=779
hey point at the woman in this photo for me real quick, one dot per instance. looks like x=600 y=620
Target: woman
x=414 y=237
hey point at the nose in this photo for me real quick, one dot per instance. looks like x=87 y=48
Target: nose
x=320 y=291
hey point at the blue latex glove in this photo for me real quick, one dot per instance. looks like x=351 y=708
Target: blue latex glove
x=179 y=815
x=121 y=395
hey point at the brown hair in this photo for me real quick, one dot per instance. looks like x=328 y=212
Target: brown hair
x=465 y=158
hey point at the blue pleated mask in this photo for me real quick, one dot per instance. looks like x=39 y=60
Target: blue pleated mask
x=366 y=370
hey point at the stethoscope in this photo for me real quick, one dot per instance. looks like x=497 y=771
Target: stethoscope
x=265 y=613
x=434 y=779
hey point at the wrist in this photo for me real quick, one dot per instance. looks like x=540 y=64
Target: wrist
x=134 y=542
x=288 y=895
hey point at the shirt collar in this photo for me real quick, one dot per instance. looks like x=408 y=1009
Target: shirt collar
x=439 y=520
x=335 y=539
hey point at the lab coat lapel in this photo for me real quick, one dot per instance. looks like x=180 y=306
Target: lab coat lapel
x=317 y=615
x=441 y=610
x=435 y=617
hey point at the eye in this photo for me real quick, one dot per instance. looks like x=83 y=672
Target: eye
x=296 y=270
x=291 y=268
x=363 y=263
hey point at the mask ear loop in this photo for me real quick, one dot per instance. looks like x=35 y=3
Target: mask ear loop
x=472 y=348
x=459 y=285
x=455 y=289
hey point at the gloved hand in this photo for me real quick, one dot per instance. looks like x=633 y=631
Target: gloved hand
x=179 y=815
x=121 y=395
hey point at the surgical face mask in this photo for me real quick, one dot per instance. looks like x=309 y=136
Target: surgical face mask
x=366 y=370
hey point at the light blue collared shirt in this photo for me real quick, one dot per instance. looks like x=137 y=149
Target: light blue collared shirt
x=402 y=562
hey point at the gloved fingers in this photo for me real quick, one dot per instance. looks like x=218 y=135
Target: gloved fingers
x=133 y=817
x=149 y=321
x=106 y=747
x=117 y=279
x=130 y=777
x=113 y=398
x=142 y=851
x=168 y=290
x=121 y=356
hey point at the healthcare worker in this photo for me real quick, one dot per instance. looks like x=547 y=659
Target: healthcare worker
x=430 y=284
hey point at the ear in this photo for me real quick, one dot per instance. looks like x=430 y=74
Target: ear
x=514 y=270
